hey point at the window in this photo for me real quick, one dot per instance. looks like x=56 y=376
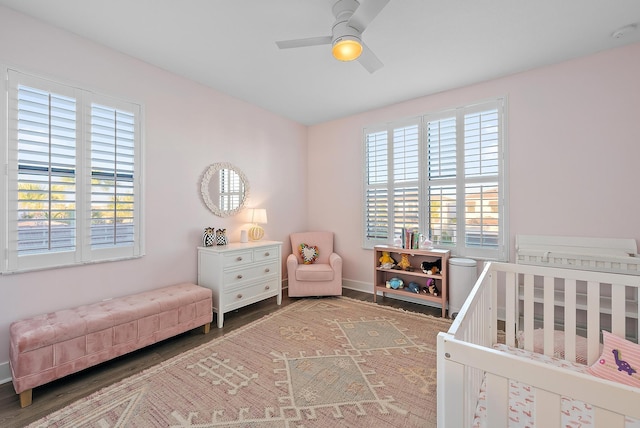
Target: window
x=73 y=184
x=231 y=190
x=442 y=175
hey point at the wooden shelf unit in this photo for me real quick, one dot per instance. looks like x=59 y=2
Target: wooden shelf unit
x=416 y=257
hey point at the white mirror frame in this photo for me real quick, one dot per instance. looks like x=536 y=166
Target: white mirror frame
x=204 y=189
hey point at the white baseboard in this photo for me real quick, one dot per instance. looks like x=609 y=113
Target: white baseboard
x=5 y=373
x=365 y=287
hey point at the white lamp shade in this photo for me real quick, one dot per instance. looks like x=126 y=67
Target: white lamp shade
x=259 y=216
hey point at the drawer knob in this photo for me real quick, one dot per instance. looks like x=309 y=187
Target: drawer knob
x=267 y=270
x=239 y=296
x=239 y=276
x=239 y=259
x=266 y=287
x=267 y=254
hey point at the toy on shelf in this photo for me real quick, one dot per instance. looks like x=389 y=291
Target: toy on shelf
x=404 y=275
x=395 y=283
x=431 y=268
x=404 y=262
x=386 y=261
x=414 y=287
x=431 y=288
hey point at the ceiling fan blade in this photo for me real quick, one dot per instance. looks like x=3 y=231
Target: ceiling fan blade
x=369 y=60
x=300 y=43
x=365 y=13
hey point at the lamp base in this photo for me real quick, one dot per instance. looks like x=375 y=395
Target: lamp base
x=256 y=233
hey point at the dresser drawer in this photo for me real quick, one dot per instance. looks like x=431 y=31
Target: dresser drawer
x=240 y=273
x=238 y=258
x=247 y=295
x=232 y=278
x=265 y=253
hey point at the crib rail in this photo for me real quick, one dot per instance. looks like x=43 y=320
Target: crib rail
x=582 y=303
x=475 y=325
x=613 y=255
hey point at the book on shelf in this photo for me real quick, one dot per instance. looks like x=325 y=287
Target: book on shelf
x=410 y=239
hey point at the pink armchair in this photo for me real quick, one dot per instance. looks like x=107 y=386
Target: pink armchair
x=323 y=277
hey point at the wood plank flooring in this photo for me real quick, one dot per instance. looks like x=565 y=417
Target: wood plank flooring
x=58 y=394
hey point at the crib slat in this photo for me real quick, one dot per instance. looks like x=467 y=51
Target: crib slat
x=549 y=314
x=593 y=322
x=618 y=310
x=490 y=300
x=511 y=303
x=497 y=401
x=547 y=409
x=528 y=312
x=570 y=319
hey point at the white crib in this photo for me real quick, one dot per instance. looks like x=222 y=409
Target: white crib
x=539 y=301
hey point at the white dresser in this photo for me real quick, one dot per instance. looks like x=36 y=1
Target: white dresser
x=240 y=274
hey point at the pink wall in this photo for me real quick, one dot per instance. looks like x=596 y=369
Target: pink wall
x=572 y=138
x=574 y=151
x=188 y=127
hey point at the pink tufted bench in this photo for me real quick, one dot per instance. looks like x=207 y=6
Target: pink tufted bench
x=48 y=347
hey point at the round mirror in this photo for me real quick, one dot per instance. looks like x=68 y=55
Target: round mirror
x=224 y=188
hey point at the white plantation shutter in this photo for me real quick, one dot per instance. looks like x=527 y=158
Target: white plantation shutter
x=71 y=168
x=406 y=171
x=392 y=177
x=46 y=206
x=376 y=198
x=465 y=176
x=442 y=178
x=447 y=182
x=112 y=172
x=482 y=177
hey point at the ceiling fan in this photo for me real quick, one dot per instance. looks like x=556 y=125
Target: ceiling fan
x=352 y=19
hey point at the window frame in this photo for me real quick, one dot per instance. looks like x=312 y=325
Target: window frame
x=82 y=253
x=458 y=180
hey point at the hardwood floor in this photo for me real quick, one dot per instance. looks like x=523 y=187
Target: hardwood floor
x=58 y=394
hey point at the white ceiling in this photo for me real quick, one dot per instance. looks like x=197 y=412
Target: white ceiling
x=427 y=46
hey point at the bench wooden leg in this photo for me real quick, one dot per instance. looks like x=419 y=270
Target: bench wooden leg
x=206 y=328
x=25 y=398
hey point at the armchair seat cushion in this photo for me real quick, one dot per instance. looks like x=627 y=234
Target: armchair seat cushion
x=314 y=272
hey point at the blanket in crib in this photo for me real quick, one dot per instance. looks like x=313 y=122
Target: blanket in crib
x=522 y=399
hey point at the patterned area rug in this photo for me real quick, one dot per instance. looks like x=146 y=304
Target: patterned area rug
x=314 y=363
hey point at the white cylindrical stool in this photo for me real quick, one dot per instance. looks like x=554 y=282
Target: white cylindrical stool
x=462 y=277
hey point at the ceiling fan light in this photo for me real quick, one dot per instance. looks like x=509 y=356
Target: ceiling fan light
x=347 y=49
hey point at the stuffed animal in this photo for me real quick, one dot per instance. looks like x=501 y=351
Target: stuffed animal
x=395 y=283
x=431 y=288
x=414 y=287
x=431 y=268
x=404 y=262
x=386 y=261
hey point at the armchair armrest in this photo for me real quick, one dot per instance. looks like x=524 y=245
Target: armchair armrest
x=335 y=260
x=292 y=263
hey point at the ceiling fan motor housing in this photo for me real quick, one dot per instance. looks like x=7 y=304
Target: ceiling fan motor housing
x=342 y=10
x=344 y=6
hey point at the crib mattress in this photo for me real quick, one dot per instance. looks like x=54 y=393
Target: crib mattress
x=522 y=400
